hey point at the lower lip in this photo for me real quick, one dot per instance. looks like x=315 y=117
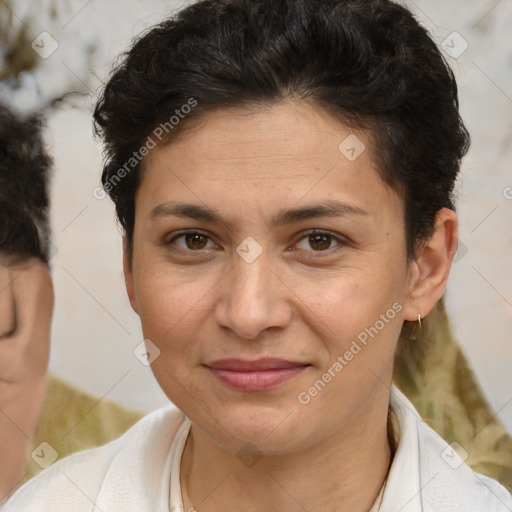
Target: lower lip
x=259 y=380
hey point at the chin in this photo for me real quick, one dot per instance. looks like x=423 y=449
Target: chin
x=268 y=430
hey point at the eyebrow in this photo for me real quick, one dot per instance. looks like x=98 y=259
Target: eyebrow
x=330 y=208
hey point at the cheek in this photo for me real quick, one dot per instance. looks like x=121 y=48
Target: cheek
x=355 y=313
x=168 y=307
x=348 y=297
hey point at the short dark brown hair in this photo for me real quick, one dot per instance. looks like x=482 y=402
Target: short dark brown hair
x=367 y=62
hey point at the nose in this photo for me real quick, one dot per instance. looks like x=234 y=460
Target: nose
x=252 y=299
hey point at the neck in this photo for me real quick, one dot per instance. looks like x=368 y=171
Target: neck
x=341 y=473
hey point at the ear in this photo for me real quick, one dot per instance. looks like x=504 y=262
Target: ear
x=430 y=271
x=128 y=276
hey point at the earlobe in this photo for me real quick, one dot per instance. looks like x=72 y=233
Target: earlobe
x=128 y=276
x=432 y=266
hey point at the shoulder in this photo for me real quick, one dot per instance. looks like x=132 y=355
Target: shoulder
x=72 y=420
x=125 y=474
x=428 y=474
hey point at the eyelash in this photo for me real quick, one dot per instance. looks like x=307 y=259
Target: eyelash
x=341 y=242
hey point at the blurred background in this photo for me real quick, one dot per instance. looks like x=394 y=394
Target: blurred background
x=56 y=55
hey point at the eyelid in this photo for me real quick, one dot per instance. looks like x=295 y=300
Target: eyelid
x=342 y=241
x=182 y=233
x=331 y=234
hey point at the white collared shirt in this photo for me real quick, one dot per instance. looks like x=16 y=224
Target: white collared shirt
x=140 y=472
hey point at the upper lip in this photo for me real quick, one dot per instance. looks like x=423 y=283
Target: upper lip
x=244 y=365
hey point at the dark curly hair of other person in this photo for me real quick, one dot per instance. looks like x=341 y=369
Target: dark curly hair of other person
x=25 y=170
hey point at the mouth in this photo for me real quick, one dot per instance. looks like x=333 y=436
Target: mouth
x=257 y=375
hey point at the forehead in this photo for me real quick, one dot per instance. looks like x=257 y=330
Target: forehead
x=249 y=137
x=292 y=150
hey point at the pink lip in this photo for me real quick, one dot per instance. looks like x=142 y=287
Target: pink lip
x=255 y=375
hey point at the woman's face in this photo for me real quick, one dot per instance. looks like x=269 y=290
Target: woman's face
x=277 y=315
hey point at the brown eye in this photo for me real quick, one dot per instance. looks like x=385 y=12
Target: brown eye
x=195 y=241
x=191 y=241
x=320 y=242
